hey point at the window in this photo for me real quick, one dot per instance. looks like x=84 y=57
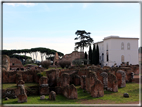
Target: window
x=122 y=46
x=128 y=46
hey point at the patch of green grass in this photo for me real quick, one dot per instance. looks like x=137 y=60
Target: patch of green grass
x=52 y=68
x=10 y=85
x=14 y=85
x=30 y=64
x=116 y=97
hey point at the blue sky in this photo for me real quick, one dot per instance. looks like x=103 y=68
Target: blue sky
x=53 y=25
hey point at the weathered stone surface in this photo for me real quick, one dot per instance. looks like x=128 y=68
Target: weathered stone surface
x=44 y=90
x=43 y=80
x=135 y=68
x=16 y=64
x=105 y=79
x=4 y=76
x=82 y=72
x=106 y=67
x=18 y=77
x=42 y=97
x=97 y=90
x=65 y=79
x=27 y=76
x=10 y=93
x=6 y=62
x=59 y=90
x=90 y=80
x=121 y=77
x=68 y=71
x=112 y=83
x=20 y=82
x=9 y=77
x=74 y=55
x=22 y=97
x=70 y=92
x=56 y=59
x=83 y=83
x=52 y=76
x=75 y=79
x=52 y=95
x=128 y=72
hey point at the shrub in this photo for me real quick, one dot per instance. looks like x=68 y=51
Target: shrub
x=45 y=64
x=40 y=74
x=79 y=62
x=64 y=63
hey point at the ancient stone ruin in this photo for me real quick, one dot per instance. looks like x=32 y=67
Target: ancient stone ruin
x=92 y=79
x=22 y=97
x=83 y=84
x=112 y=83
x=52 y=95
x=43 y=86
x=16 y=64
x=6 y=62
x=121 y=77
x=56 y=59
x=70 y=91
x=65 y=79
x=105 y=79
x=97 y=90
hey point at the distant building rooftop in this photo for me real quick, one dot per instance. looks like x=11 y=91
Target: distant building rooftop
x=115 y=37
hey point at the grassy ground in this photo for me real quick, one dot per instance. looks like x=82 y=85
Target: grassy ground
x=13 y=85
x=83 y=97
x=31 y=64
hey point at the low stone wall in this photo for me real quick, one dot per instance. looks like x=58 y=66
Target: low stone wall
x=27 y=76
x=11 y=93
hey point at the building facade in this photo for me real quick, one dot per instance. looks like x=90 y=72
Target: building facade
x=116 y=50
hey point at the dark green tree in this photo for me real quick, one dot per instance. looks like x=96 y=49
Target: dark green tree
x=94 y=55
x=97 y=55
x=85 y=39
x=90 y=54
x=85 y=58
x=140 y=50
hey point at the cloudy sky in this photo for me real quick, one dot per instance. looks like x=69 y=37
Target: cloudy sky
x=53 y=25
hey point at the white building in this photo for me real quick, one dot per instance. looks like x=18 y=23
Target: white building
x=115 y=49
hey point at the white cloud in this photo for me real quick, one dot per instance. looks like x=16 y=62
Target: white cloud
x=23 y=4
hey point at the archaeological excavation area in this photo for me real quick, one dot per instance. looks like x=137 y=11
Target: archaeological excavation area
x=69 y=83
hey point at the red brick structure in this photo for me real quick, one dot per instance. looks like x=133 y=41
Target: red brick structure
x=97 y=90
x=22 y=97
x=43 y=80
x=74 y=55
x=56 y=59
x=112 y=83
x=121 y=77
x=70 y=92
x=15 y=64
x=90 y=80
x=65 y=79
x=52 y=95
x=6 y=62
